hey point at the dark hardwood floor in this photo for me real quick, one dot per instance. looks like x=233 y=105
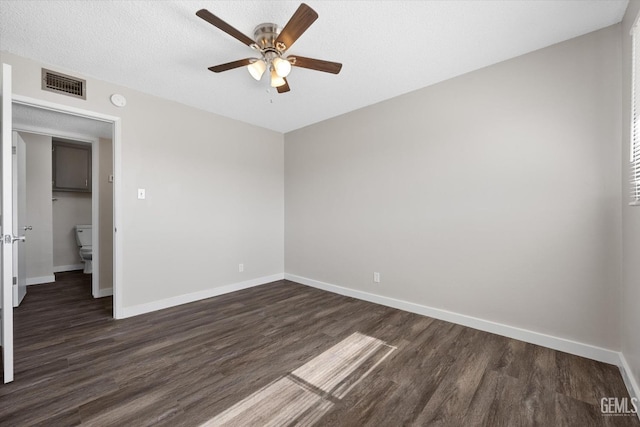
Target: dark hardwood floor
x=287 y=354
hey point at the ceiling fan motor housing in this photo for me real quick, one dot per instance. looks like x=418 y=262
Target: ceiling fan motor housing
x=265 y=35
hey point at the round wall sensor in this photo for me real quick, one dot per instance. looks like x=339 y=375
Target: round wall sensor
x=118 y=100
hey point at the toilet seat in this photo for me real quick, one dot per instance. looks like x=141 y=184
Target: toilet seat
x=86 y=252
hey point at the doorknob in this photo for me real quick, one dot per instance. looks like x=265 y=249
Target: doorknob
x=27 y=227
x=8 y=238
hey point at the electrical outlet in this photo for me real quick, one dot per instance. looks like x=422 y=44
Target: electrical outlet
x=240 y=268
x=376 y=277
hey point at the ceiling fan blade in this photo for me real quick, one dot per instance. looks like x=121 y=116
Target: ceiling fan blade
x=217 y=22
x=302 y=19
x=315 y=64
x=284 y=88
x=231 y=65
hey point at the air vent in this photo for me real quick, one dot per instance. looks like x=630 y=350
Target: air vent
x=61 y=83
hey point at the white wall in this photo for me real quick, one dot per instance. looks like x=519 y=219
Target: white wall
x=214 y=187
x=630 y=221
x=495 y=194
x=39 y=245
x=69 y=210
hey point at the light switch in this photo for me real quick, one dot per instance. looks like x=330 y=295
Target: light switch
x=141 y=194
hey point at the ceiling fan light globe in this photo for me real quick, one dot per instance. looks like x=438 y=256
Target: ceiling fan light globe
x=282 y=66
x=276 y=80
x=257 y=69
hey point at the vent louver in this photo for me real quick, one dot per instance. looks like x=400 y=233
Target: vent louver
x=63 y=84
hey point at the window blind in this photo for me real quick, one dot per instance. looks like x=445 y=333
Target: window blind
x=635 y=116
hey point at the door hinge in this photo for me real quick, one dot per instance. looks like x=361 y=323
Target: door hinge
x=14 y=150
x=15 y=280
x=7 y=238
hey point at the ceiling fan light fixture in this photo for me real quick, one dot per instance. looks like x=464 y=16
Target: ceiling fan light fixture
x=257 y=69
x=272 y=43
x=276 y=80
x=282 y=66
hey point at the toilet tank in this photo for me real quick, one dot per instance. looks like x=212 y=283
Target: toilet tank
x=83 y=235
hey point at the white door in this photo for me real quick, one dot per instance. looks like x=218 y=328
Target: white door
x=7 y=225
x=20 y=226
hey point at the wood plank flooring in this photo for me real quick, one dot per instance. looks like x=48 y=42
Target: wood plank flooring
x=284 y=350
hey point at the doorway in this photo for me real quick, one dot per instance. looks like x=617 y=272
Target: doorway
x=81 y=198
x=54 y=123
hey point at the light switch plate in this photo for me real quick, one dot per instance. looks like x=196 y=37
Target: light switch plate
x=142 y=194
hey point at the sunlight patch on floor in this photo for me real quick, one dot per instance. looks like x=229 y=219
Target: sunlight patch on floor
x=306 y=394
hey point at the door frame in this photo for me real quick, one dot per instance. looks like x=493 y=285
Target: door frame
x=117 y=184
x=19 y=209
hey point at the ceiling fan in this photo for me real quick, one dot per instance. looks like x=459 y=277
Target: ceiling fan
x=272 y=42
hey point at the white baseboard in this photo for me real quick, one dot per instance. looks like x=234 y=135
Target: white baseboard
x=40 y=280
x=629 y=380
x=196 y=296
x=106 y=292
x=556 y=343
x=72 y=267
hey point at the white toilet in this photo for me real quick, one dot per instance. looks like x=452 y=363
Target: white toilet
x=83 y=237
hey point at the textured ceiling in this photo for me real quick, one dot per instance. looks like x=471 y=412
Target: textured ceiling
x=387 y=47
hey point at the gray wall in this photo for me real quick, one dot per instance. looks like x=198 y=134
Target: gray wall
x=215 y=194
x=39 y=245
x=495 y=194
x=630 y=218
